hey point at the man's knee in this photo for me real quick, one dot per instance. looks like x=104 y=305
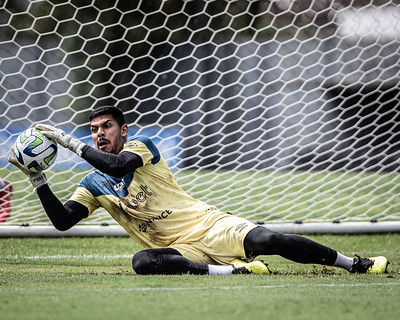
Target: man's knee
x=150 y=261
x=142 y=262
x=262 y=241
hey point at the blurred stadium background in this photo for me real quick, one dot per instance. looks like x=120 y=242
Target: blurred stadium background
x=281 y=111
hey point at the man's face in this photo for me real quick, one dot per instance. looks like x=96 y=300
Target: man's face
x=107 y=135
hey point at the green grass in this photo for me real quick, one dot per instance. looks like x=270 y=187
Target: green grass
x=91 y=278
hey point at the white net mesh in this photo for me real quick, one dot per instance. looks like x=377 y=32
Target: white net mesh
x=273 y=110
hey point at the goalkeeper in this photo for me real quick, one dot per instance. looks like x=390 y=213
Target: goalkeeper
x=179 y=234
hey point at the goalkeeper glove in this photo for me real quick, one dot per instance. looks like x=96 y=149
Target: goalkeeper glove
x=62 y=138
x=37 y=179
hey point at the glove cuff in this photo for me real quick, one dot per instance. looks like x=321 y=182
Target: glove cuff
x=38 y=179
x=76 y=146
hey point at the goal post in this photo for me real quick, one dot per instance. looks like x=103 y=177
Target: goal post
x=283 y=112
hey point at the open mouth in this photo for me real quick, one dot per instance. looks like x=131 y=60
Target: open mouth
x=102 y=144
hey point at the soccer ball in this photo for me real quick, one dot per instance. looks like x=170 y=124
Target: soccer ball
x=34 y=151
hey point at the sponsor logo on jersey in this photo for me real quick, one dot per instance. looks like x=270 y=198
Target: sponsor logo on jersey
x=143 y=226
x=119 y=186
x=133 y=202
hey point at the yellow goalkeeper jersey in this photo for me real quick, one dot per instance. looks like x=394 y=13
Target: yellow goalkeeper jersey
x=148 y=203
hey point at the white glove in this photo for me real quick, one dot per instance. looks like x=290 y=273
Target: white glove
x=62 y=138
x=37 y=179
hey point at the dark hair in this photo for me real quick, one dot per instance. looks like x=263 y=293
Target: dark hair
x=114 y=111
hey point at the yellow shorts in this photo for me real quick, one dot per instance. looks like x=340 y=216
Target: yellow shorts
x=221 y=244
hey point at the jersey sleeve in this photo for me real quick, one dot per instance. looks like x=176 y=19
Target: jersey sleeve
x=86 y=198
x=144 y=148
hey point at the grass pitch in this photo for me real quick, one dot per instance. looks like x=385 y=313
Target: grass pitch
x=91 y=278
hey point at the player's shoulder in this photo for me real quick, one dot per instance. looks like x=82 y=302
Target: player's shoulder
x=91 y=179
x=99 y=183
x=135 y=141
x=138 y=141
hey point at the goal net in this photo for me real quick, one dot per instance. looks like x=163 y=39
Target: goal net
x=279 y=111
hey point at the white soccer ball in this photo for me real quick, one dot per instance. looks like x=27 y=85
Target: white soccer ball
x=34 y=151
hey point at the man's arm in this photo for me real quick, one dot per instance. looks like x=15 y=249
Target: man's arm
x=62 y=216
x=65 y=216
x=116 y=165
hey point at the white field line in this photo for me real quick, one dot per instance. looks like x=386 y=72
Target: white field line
x=328 y=285
x=66 y=256
x=110 y=256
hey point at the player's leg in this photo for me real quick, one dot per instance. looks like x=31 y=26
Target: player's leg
x=165 y=261
x=262 y=241
x=170 y=261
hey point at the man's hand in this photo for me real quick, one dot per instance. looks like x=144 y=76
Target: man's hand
x=62 y=138
x=36 y=178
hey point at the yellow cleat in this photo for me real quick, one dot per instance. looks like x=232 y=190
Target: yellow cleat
x=254 y=267
x=370 y=265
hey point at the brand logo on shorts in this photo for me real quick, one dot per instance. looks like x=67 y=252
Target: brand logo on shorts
x=241 y=226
